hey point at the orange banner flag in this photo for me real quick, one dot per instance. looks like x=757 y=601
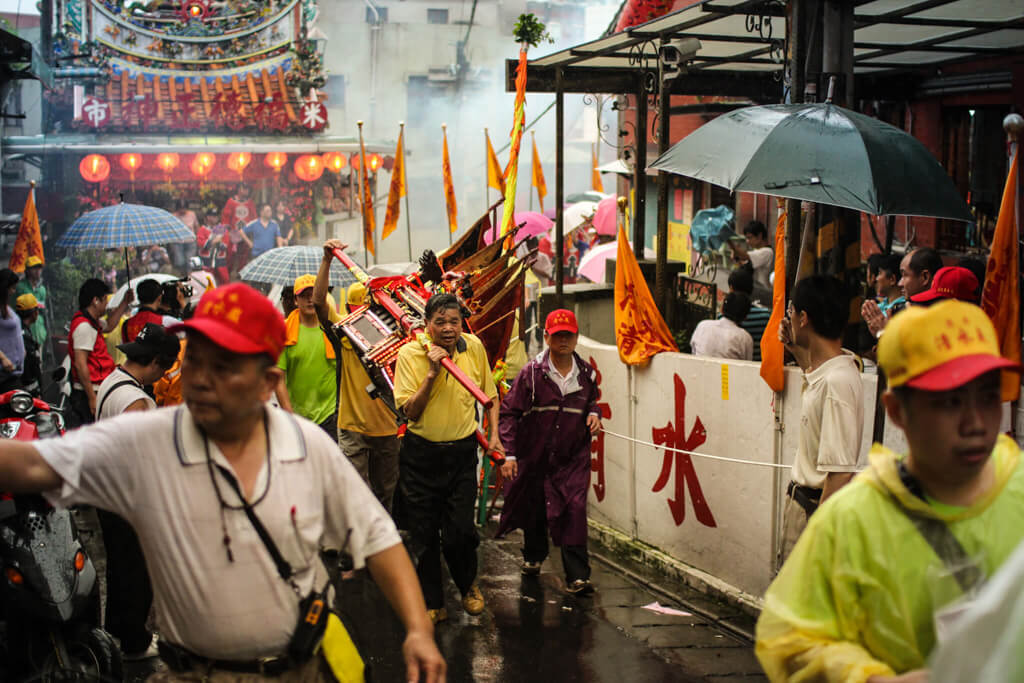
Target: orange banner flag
x=640 y=331
x=538 y=175
x=449 y=185
x=1000 y=298
x=397 y=189
x=29 y=241
x=369 y=220
x=595 y=176
x=495 y=176
x=772 y=352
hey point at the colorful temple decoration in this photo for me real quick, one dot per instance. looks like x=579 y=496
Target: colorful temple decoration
x=194 y=65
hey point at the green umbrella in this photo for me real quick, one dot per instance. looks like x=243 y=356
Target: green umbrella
x=819 y=153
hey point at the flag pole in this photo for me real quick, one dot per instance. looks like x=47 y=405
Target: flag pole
x=533 y=165
x=408 y=225
x=362 y=194
x=487 y=175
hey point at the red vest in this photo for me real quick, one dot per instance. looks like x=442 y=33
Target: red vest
x=132 y=326
x=100 y=362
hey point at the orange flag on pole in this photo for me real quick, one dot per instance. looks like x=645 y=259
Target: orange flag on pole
x=1000 y=298
x=449 y=186
x=538 y=174
x=397 y=189
x=29 y=241
x=369 y=220
x=772 y=351
x=495 y=176
x=640 y=331
x=595 y=176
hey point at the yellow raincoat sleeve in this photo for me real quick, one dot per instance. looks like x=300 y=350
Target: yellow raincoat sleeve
x=807 y=611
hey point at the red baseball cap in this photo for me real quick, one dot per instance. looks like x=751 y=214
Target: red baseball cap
x=561 y=320
x=951 y=282
x=238 y=318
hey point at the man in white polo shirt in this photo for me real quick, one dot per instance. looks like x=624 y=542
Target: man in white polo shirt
x=189 y=478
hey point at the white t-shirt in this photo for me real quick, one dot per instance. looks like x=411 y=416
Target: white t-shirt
x=112 y=404
x=763 y=261
x=831 y=423
x=722 y=338
x=151 y=468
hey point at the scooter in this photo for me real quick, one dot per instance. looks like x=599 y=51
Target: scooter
x=48 y=590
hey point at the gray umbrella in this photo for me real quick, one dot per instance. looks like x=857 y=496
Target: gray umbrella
x=282 y=265
x=820 y=153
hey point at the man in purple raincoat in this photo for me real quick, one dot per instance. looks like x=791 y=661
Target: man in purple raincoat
x=546 y=422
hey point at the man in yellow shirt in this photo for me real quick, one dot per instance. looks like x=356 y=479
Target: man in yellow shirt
x=887 y=564
x=437 y=480
x=367 y=429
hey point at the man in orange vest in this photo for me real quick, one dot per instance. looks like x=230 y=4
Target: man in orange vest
x=90 y=360
x=309 y=363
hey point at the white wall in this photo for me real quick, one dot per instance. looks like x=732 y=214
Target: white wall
x=734 y=539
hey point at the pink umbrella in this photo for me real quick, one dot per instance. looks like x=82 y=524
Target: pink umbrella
x=592 y=265
x=532 y=223
x=604 y=217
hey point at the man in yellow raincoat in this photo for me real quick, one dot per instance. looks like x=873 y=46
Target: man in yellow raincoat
x=887 y=564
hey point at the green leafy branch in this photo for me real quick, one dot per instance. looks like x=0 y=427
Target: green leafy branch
x=528 y=30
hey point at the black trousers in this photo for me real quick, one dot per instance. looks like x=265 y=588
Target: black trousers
x=78 y=412
x=129 y=593
x=330 y=425
x=434 y=503
x=575 y=559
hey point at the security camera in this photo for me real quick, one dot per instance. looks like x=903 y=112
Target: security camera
x=673 y=56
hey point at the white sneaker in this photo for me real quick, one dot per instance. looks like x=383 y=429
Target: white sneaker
x=149 y=653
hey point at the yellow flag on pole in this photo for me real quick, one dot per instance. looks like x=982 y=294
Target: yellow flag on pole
x=397 y=189
x=1000 y=297
x=495 y=176
x=538 y=176
x=29 y=241
x=772 y=351
x=449 y=185
x=595 y=176
x=369 y=220
x=640 y=331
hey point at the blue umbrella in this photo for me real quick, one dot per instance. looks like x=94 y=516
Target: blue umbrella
x=125 y=225
x=281 y=265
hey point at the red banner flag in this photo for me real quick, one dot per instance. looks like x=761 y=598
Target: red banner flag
x=772 y=352
x=449 y=185
x=397 y=189
x=30 y=240
x=1000 y=297
x=640 y=331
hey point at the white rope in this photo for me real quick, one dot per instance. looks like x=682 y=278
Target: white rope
x=699 y=455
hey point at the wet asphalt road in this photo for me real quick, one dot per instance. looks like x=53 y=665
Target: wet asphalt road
x=532 y=630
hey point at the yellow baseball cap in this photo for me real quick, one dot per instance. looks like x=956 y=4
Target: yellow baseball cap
x=33 y=261
x=356 y=294
x=26 y=302
x=940 y=347
x=302 y=283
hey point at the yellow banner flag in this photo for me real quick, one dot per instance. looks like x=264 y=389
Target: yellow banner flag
x=1000 y=298
x=449 y=185
x=495 y=176
x=772 y=352
x=538 y=176
x=29 y=241
x=595 y=176
x=369 y=220
x=640 y=331
x=397 y=189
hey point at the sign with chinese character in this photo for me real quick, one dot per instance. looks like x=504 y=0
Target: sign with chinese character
x=95 y=112
x=313 y=116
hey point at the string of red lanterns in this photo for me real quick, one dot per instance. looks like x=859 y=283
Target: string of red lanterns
x=95 y=168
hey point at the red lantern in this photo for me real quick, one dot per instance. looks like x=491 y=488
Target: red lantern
x=167 y=161
x=373 y=162
x=237 y=162
x=309 y=167
x=354 y=161
x=275 y=160
x=94 y=168
x=203 y=163
x=131 y=163
x=335 y=161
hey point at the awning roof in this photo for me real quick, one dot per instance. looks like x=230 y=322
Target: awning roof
x=743 y=40
x=15 y=51
x=151 y=144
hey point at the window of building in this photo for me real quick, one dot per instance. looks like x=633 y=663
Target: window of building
x=437 y=16
x=335 y=91
x=376 y=15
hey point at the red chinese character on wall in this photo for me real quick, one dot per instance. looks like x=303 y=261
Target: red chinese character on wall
x=597 y=444
x=680 y=464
